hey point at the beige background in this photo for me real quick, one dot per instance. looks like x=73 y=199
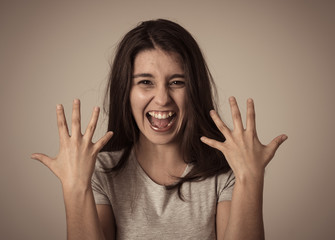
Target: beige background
x=281 y=53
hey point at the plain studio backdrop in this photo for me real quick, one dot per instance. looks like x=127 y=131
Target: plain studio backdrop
x=281 y=53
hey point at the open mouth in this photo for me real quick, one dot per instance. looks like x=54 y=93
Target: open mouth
x=161 y=120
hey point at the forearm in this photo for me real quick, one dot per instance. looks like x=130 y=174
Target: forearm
x=81 y=214
x=246 y=213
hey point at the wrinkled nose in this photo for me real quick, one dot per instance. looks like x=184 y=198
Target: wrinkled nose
x=162 y=96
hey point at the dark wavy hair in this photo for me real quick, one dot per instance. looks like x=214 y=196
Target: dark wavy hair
x=200 y=88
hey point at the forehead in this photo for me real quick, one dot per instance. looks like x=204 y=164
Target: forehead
x=158 y=60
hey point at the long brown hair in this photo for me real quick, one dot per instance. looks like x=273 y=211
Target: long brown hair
x=200 y=87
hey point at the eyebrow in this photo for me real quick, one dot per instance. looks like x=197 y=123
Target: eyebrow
x=151 y=76
x=143 y=75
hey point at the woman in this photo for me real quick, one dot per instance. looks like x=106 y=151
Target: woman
x=170 y=167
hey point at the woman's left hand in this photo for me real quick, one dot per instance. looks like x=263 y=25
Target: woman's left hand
x=246 y=155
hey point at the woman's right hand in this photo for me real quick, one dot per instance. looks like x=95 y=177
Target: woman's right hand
x=75 y=162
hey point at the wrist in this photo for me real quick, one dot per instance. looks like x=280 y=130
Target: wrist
x=255 y=178
x=251 y=186
x=75 y=187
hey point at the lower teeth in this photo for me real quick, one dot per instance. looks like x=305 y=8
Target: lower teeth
x=150 y=118
x=161 y=127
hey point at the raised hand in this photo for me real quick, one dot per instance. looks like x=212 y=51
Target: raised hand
x=74 y=164
x=246 y=155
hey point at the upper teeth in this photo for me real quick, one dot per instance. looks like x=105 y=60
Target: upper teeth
x=161 y=115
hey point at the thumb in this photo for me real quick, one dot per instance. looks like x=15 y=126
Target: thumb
x=103 y=141
x=276 y=142
x=42 y=158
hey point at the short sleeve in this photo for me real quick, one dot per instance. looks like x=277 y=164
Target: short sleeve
x=100 y=195
x=99 y=181
x=225 y=186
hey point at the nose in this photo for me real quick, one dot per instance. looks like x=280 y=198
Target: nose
x=162 y=96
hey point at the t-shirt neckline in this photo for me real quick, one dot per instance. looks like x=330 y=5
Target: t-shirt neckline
x=145 y=176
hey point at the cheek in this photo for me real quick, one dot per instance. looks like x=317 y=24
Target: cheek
x=138 y=101
x=180 y=99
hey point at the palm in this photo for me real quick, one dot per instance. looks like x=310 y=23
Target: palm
x=76 y=158
x=244 y=152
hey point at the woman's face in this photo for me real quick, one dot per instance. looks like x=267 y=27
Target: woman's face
x=157 y=96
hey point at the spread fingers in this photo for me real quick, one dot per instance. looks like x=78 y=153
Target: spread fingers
x=76 y=123
x=219 y=123
x=212 y=143
x=92 y=125
x=61 y=122
x=251 y=122
x=236 y=115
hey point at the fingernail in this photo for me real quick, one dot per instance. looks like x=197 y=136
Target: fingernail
x=283 y=138
x=33 y=156
x=231 y=98
x=59 y=106
x=250 y=100
x=211 y=112
x=76 y=100
x=96 y=108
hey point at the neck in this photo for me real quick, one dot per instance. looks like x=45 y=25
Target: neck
x=161 y=162
x=162 y=154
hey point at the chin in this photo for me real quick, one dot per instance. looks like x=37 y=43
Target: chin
x=159 y=139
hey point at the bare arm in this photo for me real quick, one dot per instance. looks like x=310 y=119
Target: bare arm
x=222 y=216
x=74 y=166
x=246 y=216
x=242 y=212
x=81 y=214
x=107 y=221
x=248 y=158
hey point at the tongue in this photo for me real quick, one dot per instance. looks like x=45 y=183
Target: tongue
x=160 y=123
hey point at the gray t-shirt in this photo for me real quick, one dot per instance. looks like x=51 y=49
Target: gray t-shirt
x=144 y=209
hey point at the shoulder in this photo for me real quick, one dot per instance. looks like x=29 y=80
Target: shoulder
x=226 y=179
x=224 y=185
x=103 y=175
x=107 y=160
